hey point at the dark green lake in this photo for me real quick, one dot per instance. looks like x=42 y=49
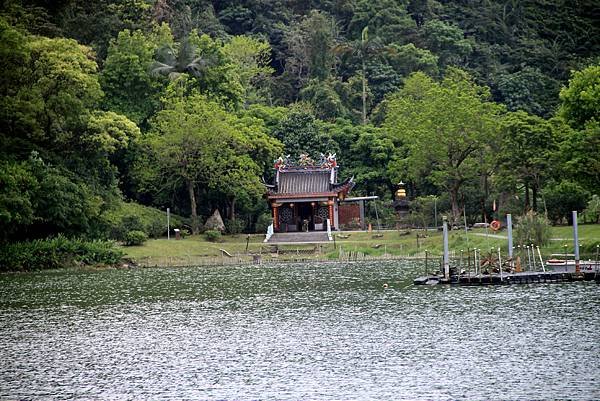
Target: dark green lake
x=292 y=332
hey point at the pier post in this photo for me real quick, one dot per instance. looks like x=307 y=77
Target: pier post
x=500 y=264
x=576 y=239
x=510 y=240
x=446 y=259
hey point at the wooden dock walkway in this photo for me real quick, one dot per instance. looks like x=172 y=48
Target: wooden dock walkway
x=506 y=278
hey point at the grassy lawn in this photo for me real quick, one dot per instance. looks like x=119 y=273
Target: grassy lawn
x=196 y=250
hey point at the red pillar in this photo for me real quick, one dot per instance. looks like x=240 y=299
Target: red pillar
x=276 y=217
x=331 y=215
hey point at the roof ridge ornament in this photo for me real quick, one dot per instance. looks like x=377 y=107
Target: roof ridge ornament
x=305 y=161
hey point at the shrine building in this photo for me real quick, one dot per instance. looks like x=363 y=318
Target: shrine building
x=304 y=195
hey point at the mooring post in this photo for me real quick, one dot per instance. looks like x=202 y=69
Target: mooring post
x=597 y=254
x=510 y=240
x=576 y=239
x=500 y=264
x=426 y=260
x=446 y=259
x=541 y=260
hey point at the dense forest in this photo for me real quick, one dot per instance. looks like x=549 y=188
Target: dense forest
x=113 y=111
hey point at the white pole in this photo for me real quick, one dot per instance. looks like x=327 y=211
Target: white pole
x=500 y=263
x=446 y=261
x=510 y=240
x=168 y=223
x=541 y=260
x=533 y=256
x=576 y=239
x=465 y=218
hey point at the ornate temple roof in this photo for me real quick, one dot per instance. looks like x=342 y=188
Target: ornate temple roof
x=307 y=180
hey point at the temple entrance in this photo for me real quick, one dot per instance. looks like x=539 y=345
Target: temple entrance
x=306 y=217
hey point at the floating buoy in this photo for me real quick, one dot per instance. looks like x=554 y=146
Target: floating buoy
x=495 y=225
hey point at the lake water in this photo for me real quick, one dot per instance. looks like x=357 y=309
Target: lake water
x=293 y=332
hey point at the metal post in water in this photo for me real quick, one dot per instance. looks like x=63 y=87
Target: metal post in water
x=500 y=263
x=426 y=261
x=510 y=240
x=576 y=239
x=446 y=261
x=597 y=254
x=541 y=260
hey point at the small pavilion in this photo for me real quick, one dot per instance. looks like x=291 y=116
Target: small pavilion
x=305 y=194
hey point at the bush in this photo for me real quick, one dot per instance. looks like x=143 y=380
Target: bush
x=263 y=222
x=53 y=253
x=130 y=216
x=532 y=229
x=212 y=235
x=135 y=237
x=235 y=227
x=563 y=198
x=592 y=210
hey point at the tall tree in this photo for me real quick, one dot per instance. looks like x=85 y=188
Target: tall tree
x=443 y=127
x=195 y=144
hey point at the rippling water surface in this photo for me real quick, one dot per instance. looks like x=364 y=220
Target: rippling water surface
x=322 y=332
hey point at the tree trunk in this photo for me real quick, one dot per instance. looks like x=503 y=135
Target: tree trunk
x=364 y=92
x=534 y=197
x=455 y=208
x=232 y=210
x=194 y=216
x=526 y=197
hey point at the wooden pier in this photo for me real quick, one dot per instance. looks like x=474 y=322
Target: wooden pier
x=506 y=278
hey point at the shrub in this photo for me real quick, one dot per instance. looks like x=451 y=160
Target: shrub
x=235 y=227
x=130 y=216
x=135 y=237
x=592 y=210
x=53 y=253
x=263 y=222
x=532 y=229
x=212 y=235
x=564 y=197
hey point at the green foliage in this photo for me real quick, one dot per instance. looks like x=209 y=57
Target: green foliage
x=532 y=229
x=578 y=154
x=251 y=58
x=580 y=101
x=263 y=222
x=310 y=47
x=530 y=90
x=386 y=19
x=130 y=216
x=135 y=237
x=592 y=210
x=212 y=235
x=195 y=144
x=524 y=155
x=56 y=253
x=447 y=41
x=126 y=80
x=564 y=197
x=299 y=132
x=40 y=199
x=445 y=129
x=234 y=227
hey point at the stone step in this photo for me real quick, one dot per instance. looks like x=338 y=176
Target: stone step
x=299 y=237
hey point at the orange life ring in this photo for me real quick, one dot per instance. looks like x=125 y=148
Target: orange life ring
x=495 y=225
